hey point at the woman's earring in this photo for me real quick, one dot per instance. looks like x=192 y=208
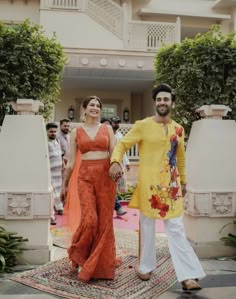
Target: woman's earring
x=83 y=117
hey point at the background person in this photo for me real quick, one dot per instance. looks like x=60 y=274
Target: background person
x=118 y=207
x=122 y=185
x=55 y=159
x=64 y=138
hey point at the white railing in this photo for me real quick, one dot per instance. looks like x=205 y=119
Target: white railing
x=149 y=35
x=133 y=152
x=66 y=4
x=108 y=13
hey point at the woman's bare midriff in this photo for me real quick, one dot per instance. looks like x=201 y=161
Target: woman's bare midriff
x=95 y=155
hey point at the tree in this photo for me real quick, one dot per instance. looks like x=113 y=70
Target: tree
x=202 y=71
x=31 y=65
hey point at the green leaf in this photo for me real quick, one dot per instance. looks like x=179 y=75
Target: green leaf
x=2 y=263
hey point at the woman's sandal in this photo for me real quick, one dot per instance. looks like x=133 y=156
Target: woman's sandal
x=190 y=285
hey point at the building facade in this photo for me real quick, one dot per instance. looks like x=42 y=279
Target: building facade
x=111 y=44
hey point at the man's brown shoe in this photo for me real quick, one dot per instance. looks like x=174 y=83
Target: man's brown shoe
x=145 y=276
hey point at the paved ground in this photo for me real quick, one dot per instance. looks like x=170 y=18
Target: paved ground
x=220 y=283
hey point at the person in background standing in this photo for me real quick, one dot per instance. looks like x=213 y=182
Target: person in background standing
x=115 y=123
x=118 y=208
x=64 y=138
x=55 y=159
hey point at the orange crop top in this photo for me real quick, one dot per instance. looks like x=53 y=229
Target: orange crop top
x=99 y=143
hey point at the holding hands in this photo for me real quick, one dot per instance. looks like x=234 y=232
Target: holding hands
x=115 y=171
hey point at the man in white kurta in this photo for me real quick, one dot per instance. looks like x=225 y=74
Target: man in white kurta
x=64 y=138
x=160 y=187
x=55 y=159
x=121 y=186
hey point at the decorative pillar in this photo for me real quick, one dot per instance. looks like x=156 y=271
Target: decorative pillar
x=178 y=30
x=210 y=202
x=25 y=188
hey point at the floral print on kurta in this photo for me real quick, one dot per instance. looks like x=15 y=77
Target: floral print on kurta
x=161 y=167
x=162 y=192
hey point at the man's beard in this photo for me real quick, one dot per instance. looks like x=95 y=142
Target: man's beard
x=52 y=137
x=163 y=113
x=65 y=131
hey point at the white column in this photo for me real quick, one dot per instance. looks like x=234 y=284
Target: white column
x=25 y=188
x=178 y=30
x=210 y=202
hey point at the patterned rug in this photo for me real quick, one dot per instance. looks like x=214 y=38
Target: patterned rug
x=59 y=279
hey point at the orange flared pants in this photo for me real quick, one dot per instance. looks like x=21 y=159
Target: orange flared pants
x=93 y=243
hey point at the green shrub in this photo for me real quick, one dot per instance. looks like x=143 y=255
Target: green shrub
x=202 y=71
x=31 y=65
x=10 y=249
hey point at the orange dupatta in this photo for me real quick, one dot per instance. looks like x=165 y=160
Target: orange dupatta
x=72 y=210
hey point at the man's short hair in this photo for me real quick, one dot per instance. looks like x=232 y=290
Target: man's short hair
x=64 y=120
x=51 y=125
x=104 y=119
x=163 y=87
x=115 y=119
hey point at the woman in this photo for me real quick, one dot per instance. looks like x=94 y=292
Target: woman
x=93 y=244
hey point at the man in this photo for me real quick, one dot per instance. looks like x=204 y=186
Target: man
x=118 y=208
x=115 y=123
x=64 y=138
x=55 y=159
x=161 y=185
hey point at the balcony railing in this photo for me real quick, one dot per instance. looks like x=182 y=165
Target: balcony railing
x=137 y=35
x=133 y=152
x=108 y=13
x=149 y=35
x=66 y=4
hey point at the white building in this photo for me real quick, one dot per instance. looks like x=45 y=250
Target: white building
x=111 y=44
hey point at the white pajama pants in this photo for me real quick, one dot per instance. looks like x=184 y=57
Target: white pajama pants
x=185 y=261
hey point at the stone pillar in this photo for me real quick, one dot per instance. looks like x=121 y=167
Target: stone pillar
x=210 y=202
x=25 y=188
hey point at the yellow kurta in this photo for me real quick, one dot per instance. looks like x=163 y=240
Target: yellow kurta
x=161 y=167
